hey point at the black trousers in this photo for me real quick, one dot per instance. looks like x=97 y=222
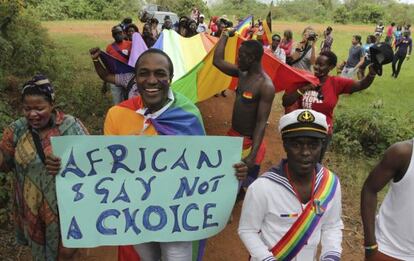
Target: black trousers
x=398 y=57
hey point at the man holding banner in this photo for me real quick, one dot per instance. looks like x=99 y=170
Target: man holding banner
x=254 y=97
x=296 y=205
x=158 y=111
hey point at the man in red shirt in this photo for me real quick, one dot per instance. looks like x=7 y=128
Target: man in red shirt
x=120 y=49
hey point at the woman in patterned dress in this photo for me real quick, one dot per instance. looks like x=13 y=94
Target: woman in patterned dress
x=23 y=148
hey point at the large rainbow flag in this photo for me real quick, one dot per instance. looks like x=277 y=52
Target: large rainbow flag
x=205 y=80
x=198 y=79
x=185 y=53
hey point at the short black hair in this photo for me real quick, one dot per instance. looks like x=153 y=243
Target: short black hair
x=255 y=48
x=157 y=51
x=133 y=26
x=127 y=20
x=332 y=59
x=392 y=24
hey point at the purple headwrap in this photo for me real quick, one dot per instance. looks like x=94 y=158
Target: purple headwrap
x=40 y=85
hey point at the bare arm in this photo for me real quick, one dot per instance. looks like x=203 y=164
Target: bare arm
x=366 y=82
x=102 y=72
x=218 y=59
x=313 y=53
x=393 y=164
x=267 y=94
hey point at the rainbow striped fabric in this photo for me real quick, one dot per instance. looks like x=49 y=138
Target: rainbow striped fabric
x=244 y=25
x=185 y=53
x=205 y=80
x=181 y=118
x=297 y=236
x=198 y=79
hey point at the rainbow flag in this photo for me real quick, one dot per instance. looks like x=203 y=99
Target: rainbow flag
x=244 y=25
x=185 y=53
x=297 y=236
x=205 y=80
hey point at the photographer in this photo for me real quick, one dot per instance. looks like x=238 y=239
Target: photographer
x=303 y=55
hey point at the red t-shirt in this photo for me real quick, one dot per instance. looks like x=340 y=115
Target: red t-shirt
x=287 y=46
x=390 y=30
x=124 y=47
x=333 y=87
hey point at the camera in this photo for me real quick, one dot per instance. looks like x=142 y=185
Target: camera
x=312 y=36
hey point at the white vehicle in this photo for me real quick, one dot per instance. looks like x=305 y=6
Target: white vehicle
x=158 y=12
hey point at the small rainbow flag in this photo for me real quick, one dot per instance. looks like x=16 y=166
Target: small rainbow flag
x=244 y=25
x=297 y=236
x=289 y=215
x=248 y=95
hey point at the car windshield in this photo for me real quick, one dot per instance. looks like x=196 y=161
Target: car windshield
x=160 y=18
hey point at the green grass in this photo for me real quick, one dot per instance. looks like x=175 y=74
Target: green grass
x=395 y=95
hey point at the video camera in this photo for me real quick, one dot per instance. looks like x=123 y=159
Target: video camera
x=227 y=23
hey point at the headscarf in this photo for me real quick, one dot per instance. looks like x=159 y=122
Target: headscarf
x=39 y=85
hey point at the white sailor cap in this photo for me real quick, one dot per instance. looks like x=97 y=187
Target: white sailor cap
x=303 y=123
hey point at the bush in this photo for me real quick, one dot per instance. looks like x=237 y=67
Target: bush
x=341 y=15
x=85 y=9
x=368 y=132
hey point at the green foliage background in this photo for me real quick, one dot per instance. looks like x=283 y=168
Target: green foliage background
x=84 y=9
x=366 y=123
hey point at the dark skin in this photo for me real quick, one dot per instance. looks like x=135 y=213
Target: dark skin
x=102 y=72
x=303 y=154
x=249 y=119
x=153 y=80
x=392 y=167
x=38 y=110
x=322 y=68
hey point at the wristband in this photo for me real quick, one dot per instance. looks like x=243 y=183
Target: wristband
x=95 y=60
x=371 y=247
x=300 y=93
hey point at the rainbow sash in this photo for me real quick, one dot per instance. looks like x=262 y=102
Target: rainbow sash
x=297 y=236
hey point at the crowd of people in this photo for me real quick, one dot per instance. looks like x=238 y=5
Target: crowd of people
x=296 y=203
